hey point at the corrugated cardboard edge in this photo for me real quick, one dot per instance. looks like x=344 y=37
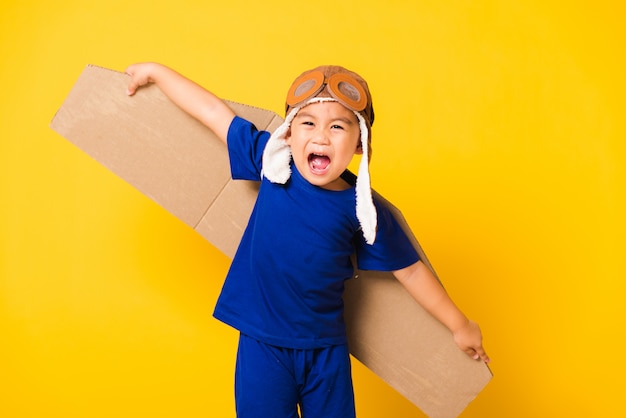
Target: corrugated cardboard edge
x=388 y=331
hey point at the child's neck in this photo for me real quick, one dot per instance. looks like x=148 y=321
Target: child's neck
x=337 y=185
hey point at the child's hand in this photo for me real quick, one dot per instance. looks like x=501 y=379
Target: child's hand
x=469 y=339
x=140 y=75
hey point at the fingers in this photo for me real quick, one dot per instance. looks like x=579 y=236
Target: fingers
x=469 y=339
x=133 y=85
x=131 y=88
x=477 y=354
x=481 y=355
x=136 y=79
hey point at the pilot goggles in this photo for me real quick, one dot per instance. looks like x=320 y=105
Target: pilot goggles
x=341 y=87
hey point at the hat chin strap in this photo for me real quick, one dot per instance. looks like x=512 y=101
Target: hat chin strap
x=277 y=169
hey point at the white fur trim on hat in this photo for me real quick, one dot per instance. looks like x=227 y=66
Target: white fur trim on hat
x=277 y=154
x=365 y=209
x=277 y=159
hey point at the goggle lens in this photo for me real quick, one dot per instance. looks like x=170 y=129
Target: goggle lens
x=345 y=89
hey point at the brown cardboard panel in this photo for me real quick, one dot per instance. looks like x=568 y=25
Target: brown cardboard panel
x=180 y=165
x=226 y=219
x=404 y=345
x=176 y=161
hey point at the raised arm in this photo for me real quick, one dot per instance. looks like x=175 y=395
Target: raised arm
x=424 y=287
x=189 y=96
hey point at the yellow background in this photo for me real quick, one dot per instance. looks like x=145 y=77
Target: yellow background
x=499 y=132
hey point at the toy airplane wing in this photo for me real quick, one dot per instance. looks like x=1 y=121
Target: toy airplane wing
x=176 y=161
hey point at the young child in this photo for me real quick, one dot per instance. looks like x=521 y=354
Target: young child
x=284 y=288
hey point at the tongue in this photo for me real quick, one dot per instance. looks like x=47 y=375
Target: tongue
x=319 y=162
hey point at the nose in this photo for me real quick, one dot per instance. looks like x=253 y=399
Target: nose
x=320 y=136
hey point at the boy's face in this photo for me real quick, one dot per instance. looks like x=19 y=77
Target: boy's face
x=324 y=137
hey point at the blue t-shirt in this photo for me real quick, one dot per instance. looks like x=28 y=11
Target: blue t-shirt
x=286 y=281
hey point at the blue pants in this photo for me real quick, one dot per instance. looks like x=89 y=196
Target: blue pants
x=273 y=382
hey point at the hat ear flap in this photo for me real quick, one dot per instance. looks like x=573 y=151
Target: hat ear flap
x=277 y=153
x=365 y=208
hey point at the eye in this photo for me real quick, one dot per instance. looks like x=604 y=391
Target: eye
x=337 y=127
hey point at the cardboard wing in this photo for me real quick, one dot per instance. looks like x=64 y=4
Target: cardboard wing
x=176 y=161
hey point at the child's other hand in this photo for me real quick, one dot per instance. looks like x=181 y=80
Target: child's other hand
x=140 y=75
x=469 y=339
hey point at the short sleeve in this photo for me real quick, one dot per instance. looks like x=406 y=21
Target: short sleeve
x=392 y=249
x=245 y=149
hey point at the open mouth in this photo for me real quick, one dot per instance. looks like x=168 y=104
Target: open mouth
x=318 y=163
